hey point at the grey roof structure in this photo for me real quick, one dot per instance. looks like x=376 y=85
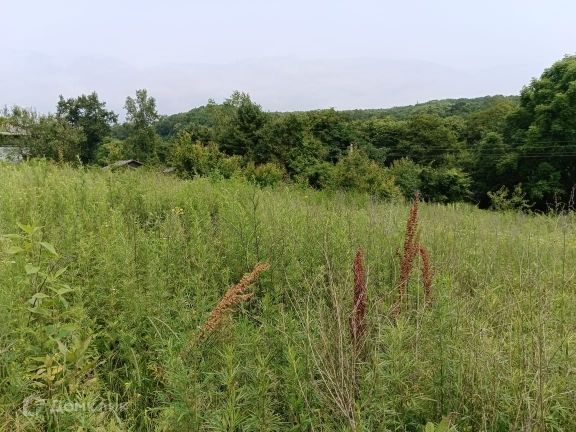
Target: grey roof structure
x=128 y=163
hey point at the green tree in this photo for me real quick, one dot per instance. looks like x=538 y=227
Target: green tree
x=445 y=185
x=192 y=158
x=141 y=116
x=430 y=139
x=53 y=138
x=239 y=124
x=286 y=141
x=355 y=171
x=90 y=114
x=493 y=119
x=406 y=175
x=385 y=136
x=333 y=130
x=543 y=132
x=494 y=165
x=280 y=136
x=110 y=151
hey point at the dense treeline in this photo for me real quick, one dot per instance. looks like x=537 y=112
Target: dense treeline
x=496 y=151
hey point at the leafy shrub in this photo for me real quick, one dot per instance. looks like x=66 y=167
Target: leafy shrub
x=319 y=175
x=193 y=159
x=356 y=171
x=53 y=343
x=406 y=175
x=267 y=174
x=504 y=200
x=110 y=151
x=445 y=184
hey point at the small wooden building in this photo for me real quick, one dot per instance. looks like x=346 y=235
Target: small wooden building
x=128 y=163
x=11 y=149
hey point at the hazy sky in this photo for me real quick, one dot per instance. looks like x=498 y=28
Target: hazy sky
x=288 y=55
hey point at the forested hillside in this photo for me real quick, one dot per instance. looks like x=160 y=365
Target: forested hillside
x=498 y=151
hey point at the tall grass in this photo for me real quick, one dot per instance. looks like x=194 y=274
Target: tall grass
x=148 y=256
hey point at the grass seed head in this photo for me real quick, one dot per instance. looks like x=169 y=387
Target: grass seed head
x=426 y=273
x=409 y=252
x=357 y=320
x=235 y=295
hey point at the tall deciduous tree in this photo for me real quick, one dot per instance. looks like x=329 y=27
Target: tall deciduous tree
x=90 y=114
x=543 y=131
x=239 y=126
x=141 y=115
x=54 y=138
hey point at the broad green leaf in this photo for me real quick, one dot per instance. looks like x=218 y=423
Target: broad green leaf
x=11 y=236
x=13 y=250
x=61 y=291
x=39 y=311
x=39 y=295
x=28 y=229
x=64 y=302
x=444 y=425
x=49 y=248
x=31 y=269
x=59 y=272
x=60 y=331
x=62 y=348
x=66 y=330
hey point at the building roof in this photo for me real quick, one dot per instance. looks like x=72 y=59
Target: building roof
x=128 y=163
x=11 y=130
x=12 y=153
x=169 y=170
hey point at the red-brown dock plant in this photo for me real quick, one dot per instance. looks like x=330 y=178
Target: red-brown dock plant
x=409 y=252
x=235 y=295
x=426 y=273
x=357 y=319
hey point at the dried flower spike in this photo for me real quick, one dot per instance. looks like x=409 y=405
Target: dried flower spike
x=409 y=253
x=235 y=295
x=357 y=320
x=426 y=273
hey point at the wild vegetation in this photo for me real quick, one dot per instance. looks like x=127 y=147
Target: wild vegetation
x=499 y=152
x=116 y=311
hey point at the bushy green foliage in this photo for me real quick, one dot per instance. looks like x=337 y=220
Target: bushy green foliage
x=110 y=151
x=543 y=132
x=443 y=108
x=196 y=159
x=142 y=141
x=55 y=139
x=136 y=261
x=459 y=149
x=89 y=114
x=406 y=175
x=445 y=185
x=239 y=123
x=357 y=172
x=267 y=174
x=43 y=136
x=504 y=200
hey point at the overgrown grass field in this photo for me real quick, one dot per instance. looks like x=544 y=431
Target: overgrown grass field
x=106 y=280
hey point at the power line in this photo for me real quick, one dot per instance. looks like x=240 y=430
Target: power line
x=515 y=147
x=532 y=155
